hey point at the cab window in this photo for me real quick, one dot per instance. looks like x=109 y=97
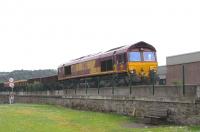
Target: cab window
x=149 y=56
x=134 y=56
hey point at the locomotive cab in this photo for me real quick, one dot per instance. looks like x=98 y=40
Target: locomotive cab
x=142 y=62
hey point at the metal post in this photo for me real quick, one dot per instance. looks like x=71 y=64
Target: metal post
x=183 y=71
x=75 y=90
x=77 y=85
x=26 y=89
x=57 y=85
x=85 y=86
x=98 y=84
x=153 y=82
x=130 y=84
x=64 y=85
x=113 y=84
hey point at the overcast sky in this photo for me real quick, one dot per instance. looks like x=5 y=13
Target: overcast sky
x=42 y=34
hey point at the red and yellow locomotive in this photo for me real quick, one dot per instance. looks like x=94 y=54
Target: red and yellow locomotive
x=138 y=59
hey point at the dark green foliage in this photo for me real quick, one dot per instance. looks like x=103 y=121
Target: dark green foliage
x=26 y=74
x=34 y=87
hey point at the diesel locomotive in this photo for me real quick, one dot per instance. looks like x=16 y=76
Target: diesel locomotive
x=137 y=62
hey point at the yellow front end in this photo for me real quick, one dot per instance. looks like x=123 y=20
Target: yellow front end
x=142 y=69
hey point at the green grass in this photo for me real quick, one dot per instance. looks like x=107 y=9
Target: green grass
x=48 y=118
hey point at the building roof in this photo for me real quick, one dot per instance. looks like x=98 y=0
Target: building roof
x=183 y=58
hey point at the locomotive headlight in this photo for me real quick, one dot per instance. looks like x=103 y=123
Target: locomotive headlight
x=152 y=68
x=142 y=73
x=132 y=71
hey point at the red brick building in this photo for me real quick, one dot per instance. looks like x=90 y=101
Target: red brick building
x=191 y=64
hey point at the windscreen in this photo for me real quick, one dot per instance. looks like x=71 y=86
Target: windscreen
x=149 y=56
x=134 y=56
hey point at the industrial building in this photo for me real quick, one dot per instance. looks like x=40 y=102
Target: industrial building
x=184 y=67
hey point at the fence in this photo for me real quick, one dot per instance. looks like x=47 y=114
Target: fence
x=191 y=91
x=112 y=82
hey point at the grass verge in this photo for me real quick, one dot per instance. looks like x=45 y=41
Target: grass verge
x=48 y=118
